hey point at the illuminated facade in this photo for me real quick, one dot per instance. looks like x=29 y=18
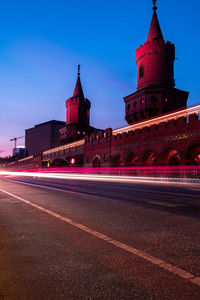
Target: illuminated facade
x=161 y=130
x=77 y=116
x=155 y=93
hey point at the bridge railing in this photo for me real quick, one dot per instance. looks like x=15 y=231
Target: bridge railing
x=163 y=118
x=65 y=149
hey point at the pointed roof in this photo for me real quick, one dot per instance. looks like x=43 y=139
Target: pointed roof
x=78 y=91
x=155 y=32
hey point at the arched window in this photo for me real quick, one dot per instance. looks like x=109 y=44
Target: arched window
x=141 y=71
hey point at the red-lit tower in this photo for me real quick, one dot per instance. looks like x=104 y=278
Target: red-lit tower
x=77 y=115
x=78 y=107
x=155 y=93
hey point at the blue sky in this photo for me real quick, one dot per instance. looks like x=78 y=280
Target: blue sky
x=42 y=42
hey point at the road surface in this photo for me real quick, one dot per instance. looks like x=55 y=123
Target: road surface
x=73 y=239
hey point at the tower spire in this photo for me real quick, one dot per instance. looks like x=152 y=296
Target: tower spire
x=79 y=66
x=78 y=91
x=155 y=32
x=154 y=5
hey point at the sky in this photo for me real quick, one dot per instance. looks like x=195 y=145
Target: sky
x=42 y=42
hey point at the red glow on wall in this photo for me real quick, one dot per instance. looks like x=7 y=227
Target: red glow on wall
x=72 y=161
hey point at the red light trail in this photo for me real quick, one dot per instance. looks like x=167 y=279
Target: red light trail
x=120 y=174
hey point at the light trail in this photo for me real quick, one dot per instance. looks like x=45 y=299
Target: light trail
x=145 y=169
x=166 y=175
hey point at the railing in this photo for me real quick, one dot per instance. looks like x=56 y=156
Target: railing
x=26 y=158
x=163 y=118
x=65 y=148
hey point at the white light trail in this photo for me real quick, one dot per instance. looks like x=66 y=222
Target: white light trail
x=94 y=177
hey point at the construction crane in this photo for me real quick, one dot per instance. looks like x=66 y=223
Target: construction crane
x=15 y=140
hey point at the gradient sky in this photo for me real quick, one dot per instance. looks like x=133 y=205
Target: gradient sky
x=42 y=42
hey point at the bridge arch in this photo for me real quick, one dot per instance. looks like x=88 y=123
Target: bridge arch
x=171 y=157
x=59 y=162
x=131 y=159
x=117 y=160
x=149 y=158
x=96 y=163
x=192 y=156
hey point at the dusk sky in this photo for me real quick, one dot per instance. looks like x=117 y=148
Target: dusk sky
x=42 y=42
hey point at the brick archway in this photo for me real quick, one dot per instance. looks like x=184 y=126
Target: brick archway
x=58 y=162
x=131 y=159
x=96 y=162
x=193 y=154
x=117 y=160
x=171 y=157
x=149 y=158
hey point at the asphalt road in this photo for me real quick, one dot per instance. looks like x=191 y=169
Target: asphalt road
x=73 y=239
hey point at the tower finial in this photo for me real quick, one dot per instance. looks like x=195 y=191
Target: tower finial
x=154 y=5
x=79 y=66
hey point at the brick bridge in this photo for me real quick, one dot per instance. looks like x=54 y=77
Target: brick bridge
x=171 y=139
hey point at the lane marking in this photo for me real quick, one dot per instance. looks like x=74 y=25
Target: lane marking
x=162 y=204
x=155 y=261
x=94 y=194
x=143 y=200
x=59 y=189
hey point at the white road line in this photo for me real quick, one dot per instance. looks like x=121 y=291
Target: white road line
x=121 y=179
x=163 y=204
x=83 y=193
x=155 y=261
x=89 y=194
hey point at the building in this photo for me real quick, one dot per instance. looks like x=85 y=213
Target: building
x=161 y=130
x=42 y=136
x=19 y=151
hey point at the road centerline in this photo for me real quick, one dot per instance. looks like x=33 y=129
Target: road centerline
x=149 y=258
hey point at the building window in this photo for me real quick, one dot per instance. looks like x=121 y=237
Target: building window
x=135 y=104
x=128 y=106
x=142 y=101
x=141 y=71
